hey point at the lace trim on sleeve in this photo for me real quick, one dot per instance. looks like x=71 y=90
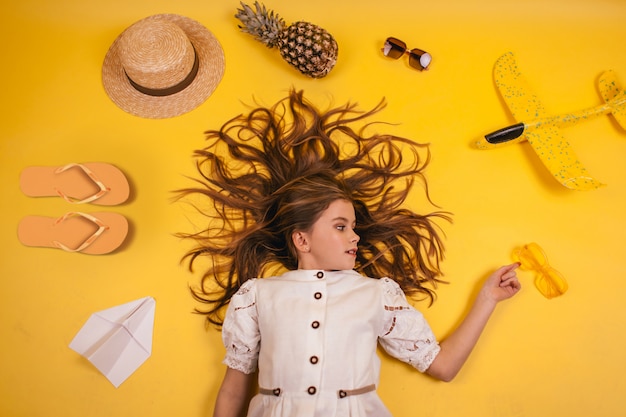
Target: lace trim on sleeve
x=406 y=335
x=240 y=365
x=240 y=332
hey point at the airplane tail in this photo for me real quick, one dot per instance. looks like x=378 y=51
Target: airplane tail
x=614 y=96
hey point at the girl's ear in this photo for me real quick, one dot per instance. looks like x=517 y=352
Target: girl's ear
x=300 y=241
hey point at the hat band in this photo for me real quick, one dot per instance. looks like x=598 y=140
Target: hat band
x=162 y=92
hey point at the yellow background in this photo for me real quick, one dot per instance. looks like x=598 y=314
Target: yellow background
x=538 y=357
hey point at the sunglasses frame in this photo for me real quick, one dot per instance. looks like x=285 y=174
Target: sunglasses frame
x=394 y=48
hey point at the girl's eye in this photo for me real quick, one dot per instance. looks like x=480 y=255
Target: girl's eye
x=341 y=228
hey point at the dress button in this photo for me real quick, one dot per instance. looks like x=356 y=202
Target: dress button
x=317 y=295
x=314 y=359
x=320 y=275
x=311 y=390
x=315 y=324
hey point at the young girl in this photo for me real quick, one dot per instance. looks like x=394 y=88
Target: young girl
x=292 y=188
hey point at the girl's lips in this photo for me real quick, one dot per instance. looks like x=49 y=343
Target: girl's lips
x=352 y=252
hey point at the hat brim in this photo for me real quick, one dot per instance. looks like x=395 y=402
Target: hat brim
x=210 y=71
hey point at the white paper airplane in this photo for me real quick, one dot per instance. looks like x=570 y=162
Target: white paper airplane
x=119 y=339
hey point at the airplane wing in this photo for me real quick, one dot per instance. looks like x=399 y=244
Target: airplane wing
x=546 y=140
x=557 y=155
x=519 y=98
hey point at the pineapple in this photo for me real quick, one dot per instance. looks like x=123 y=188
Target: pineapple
x=308 y=47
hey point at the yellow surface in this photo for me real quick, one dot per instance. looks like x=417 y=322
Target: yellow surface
x=538 y=357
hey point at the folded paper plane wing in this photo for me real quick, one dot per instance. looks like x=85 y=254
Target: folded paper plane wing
x=119 y=339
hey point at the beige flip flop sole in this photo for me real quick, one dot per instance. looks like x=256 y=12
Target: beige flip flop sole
x=92 y=182
x=93 y=233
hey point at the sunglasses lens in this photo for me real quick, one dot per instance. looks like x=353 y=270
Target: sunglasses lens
x=419 y=59
x=394 y=48
x=521 y=255
x=551 y=283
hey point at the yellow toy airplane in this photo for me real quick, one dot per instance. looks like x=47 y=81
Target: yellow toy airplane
x=543 y=131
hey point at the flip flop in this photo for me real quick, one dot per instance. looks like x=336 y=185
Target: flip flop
x=94 y=233
x=92 y=182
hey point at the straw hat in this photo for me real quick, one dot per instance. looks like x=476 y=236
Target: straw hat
x=162 y=66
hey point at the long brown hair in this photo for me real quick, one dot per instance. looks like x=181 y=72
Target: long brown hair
x=273 y=171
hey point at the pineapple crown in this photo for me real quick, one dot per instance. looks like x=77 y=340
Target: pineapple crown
x=263 y=24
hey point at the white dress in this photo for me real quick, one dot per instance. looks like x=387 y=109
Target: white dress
x=313 y=336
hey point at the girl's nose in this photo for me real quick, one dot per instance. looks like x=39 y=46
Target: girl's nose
x=355 y=238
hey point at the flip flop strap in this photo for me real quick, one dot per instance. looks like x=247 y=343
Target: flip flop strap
x=103 y=189
x=101 y=228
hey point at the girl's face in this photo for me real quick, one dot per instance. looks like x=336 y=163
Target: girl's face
x=331 y=244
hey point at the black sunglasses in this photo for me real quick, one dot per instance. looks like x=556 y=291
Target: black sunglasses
x=395 y=48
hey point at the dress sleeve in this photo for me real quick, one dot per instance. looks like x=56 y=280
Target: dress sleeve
x=240 y=331
x=406 y=335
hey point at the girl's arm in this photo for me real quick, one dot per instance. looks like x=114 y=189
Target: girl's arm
x=233 y=395
x=456 y=348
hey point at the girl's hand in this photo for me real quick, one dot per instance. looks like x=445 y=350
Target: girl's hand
x=502 y=284
x=455 y=349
